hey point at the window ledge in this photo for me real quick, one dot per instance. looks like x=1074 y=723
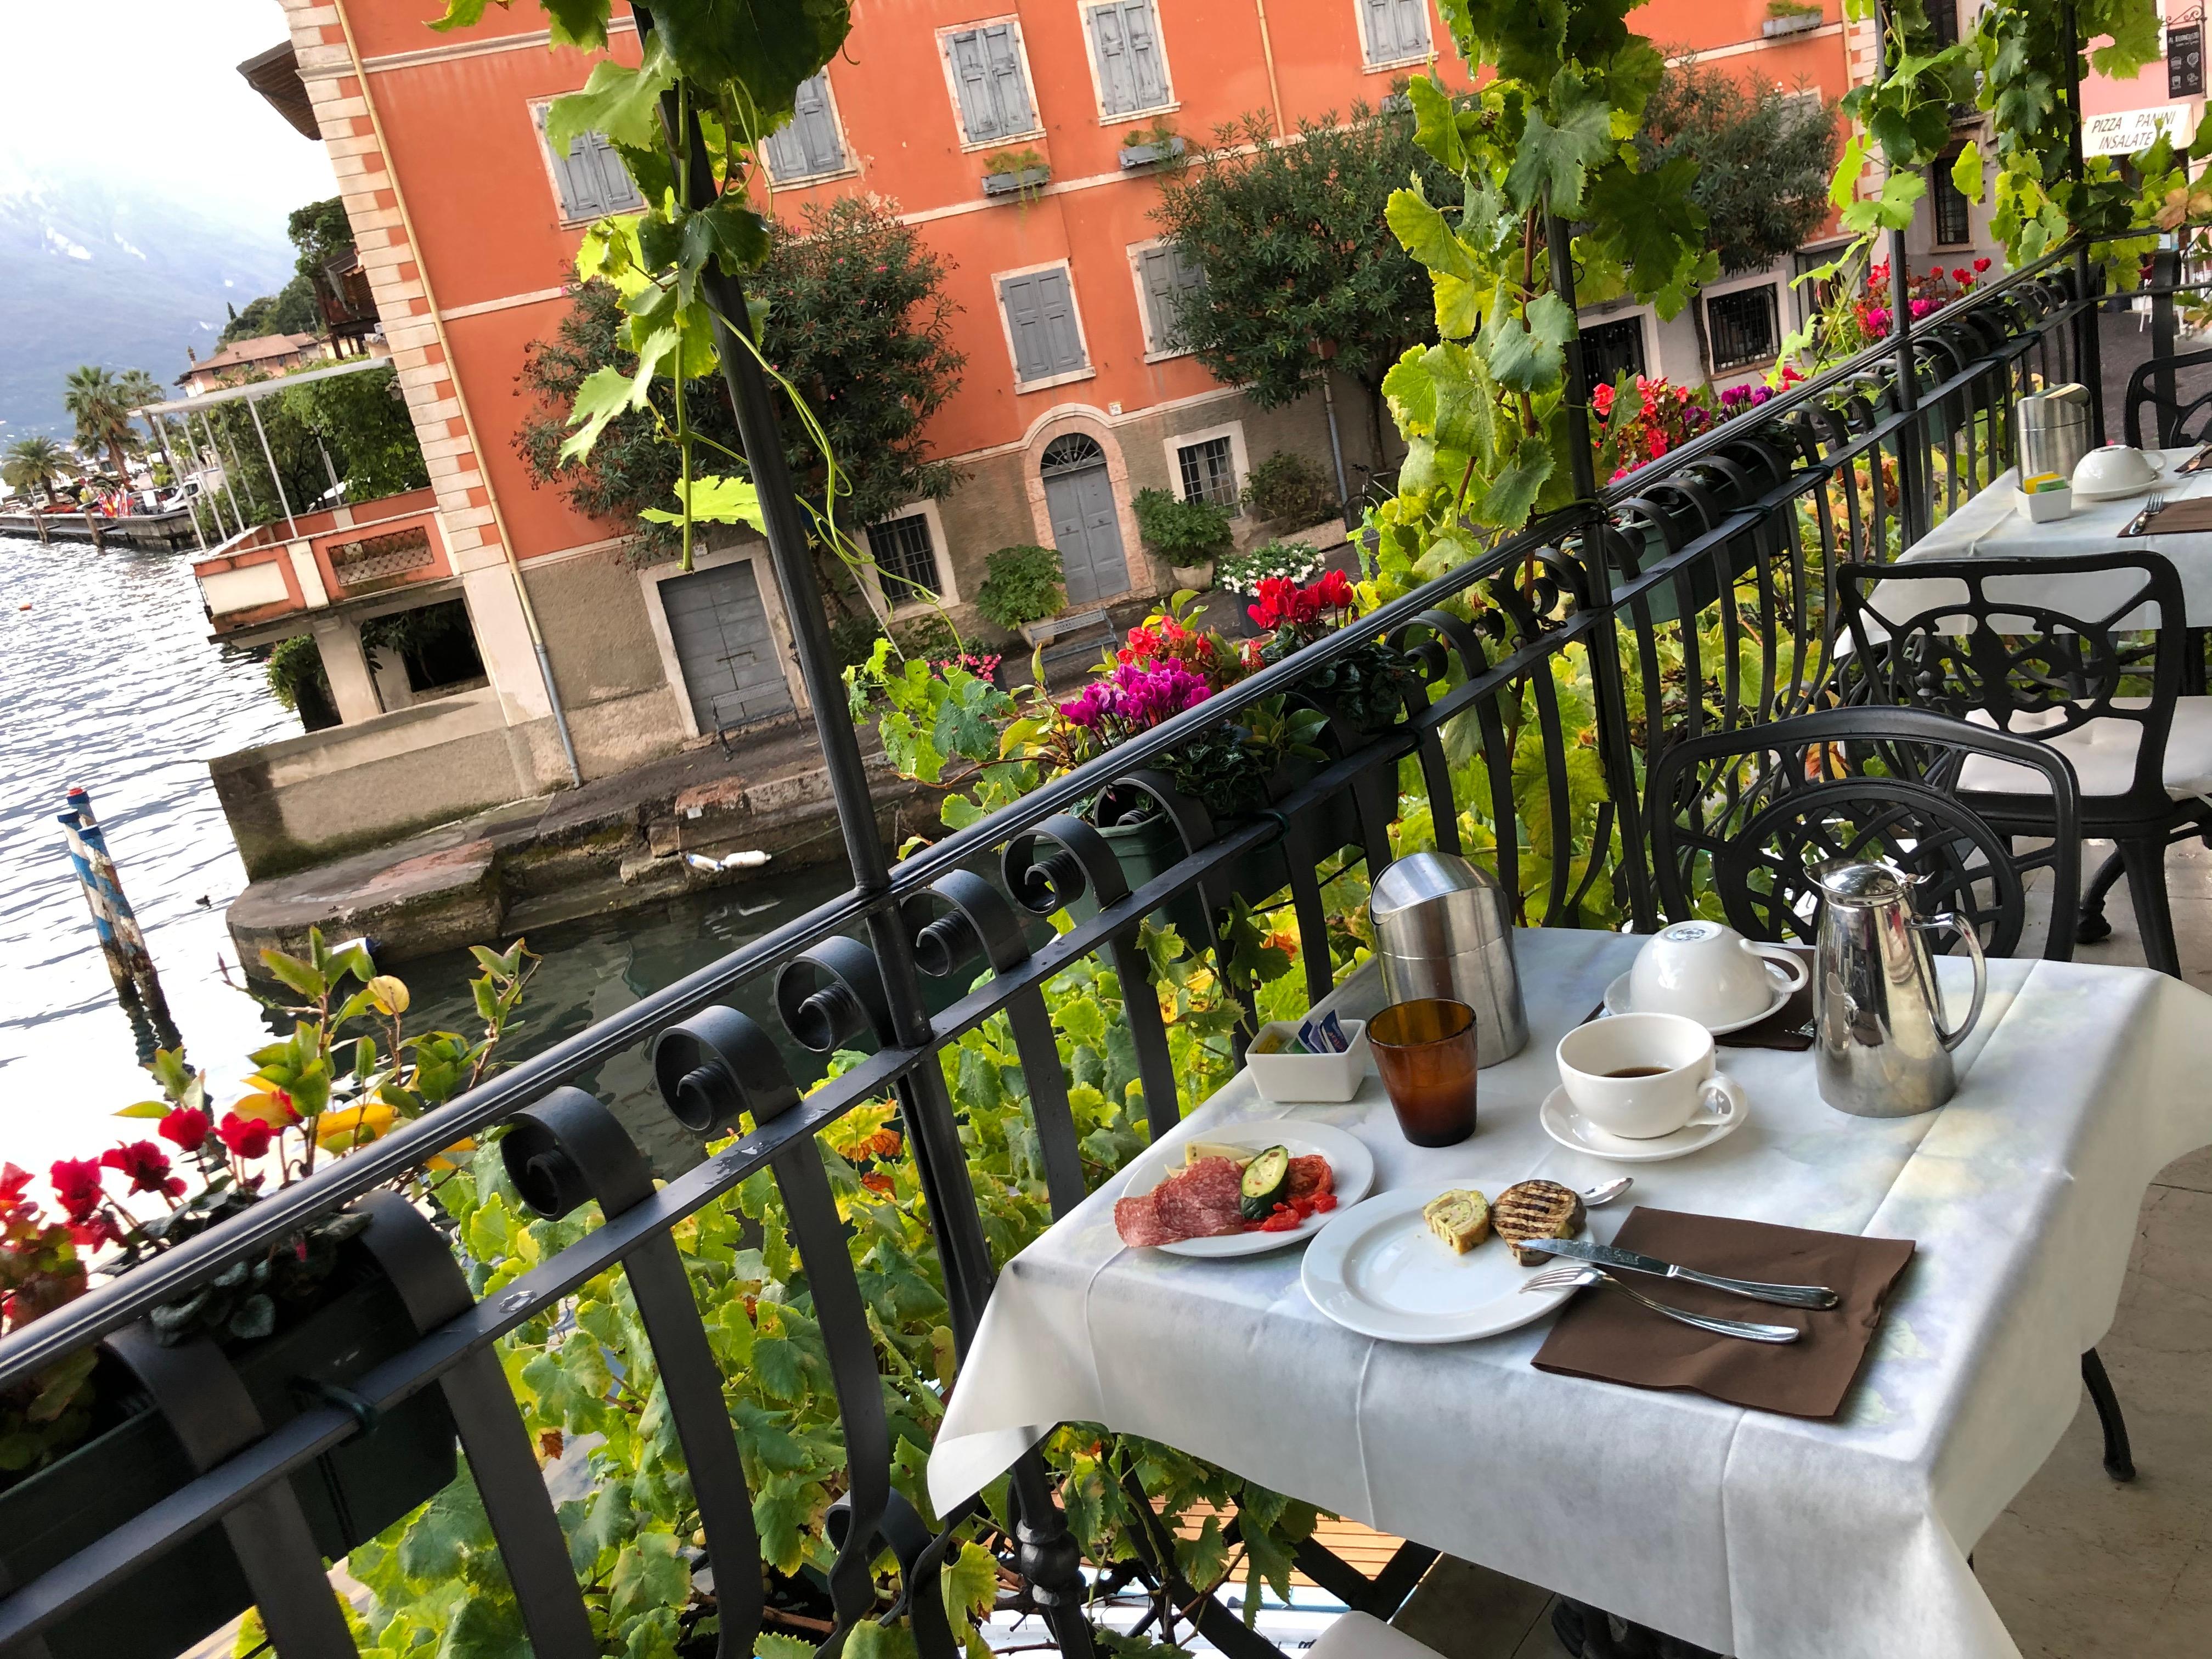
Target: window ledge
x=1052 y=381
x=1109 y=118
x=1751 y=367
x=1386 y=65
x=1168 y=356
x=969 y=146
x=807 y=181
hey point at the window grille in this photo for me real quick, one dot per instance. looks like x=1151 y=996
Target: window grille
x=1954 y=223
x=1612 y=350
x=906 y=560
x=1742 y=327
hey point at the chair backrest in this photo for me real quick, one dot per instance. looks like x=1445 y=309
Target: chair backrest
x=1994 y=638
x=2172 y=422
x=1737 y=818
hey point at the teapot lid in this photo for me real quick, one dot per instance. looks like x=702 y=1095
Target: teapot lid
x=1857 y=881
x=1435 y=903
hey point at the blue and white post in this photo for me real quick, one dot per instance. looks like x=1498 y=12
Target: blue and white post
x=129 y=964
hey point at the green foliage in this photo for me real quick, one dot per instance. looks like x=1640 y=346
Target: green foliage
x=296 y=669
x=1763 y=158
x=96 y=401
x=1022 y=584
x=1289 y=487
x=859 y=324
x=1187 y=532
x=1008 y=162
x=33 y=465
x=359 y=420
x=1564 y=85
x=320 y=231
x=1284 y=231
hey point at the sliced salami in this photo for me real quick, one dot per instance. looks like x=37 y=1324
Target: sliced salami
x=1137 y=1220
x=1202 y=1200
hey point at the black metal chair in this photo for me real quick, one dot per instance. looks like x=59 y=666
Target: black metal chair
x=1737 y=817
x=2084 y=653
x=2173 y=417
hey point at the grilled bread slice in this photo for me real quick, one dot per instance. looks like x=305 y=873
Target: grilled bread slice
x=1460 y=1219
x=1536 y=1209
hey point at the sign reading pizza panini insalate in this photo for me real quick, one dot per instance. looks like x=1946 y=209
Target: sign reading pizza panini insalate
x=2125 y=132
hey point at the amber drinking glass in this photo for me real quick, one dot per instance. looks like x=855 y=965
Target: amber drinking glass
x=1425 y=1052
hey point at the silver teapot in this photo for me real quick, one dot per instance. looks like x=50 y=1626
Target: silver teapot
x=1882 y=1048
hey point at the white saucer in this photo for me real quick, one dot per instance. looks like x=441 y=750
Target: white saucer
x=2144 y=487
x=1616 y=1002
x=1567 y=1126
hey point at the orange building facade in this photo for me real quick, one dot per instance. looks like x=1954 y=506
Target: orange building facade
x=1075 y=395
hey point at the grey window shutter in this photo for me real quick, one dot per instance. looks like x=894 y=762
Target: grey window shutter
x=1166 y=273
x=1412 y=33
x=618 y=193
x=573 y=178
x=1056 y=305
x=1109 y=38
x=808 y=144
x=1147 y=64
x=971 y=76
x=1009 y=92
x=1025 y=322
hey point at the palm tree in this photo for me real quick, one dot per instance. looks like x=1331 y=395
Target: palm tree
x=102 y=411
x=138 y=389
x=34 y=463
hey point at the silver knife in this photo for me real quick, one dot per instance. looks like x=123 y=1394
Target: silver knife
x=1609 y=1256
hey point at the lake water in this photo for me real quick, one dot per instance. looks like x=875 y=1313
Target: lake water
x=108 y=681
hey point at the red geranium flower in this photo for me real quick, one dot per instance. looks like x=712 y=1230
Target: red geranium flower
x=76 y=1183
x=93 y=1231
x=186 y=1128
x=248 y=1137
x=1334 y=590
x=1981 y=264
x=145 y=1165
x=14 y=1179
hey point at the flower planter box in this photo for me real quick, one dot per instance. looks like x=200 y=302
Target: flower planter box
x=1144 y=155
x=1010 y=184
x=1791 y=24
x=350 y=1494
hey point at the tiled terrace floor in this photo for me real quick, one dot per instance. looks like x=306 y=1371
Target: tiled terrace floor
x=2079 y=1567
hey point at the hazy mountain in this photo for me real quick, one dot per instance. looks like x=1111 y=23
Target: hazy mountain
x=117 y=273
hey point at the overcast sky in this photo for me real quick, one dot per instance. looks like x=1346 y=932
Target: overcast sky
x=114 y=86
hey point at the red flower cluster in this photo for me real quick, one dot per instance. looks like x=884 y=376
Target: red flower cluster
x=186 y=1127
x=1163 y=639
x=145 y=1165
x=77 y=1184
x=1284 y=603
x=246 y=1137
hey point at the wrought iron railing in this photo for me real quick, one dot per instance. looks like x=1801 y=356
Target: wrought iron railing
x=1696 y=593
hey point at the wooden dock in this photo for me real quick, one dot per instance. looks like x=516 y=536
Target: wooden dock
x=172 y=531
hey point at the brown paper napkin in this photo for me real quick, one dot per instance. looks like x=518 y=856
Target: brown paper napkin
x=2175 y=518
x=1602 y=1335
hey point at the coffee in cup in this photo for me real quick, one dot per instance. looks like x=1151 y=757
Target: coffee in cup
x=1641 y=1076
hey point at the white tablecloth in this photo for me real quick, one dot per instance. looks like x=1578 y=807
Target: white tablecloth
x=1758 y=1535
x=1990 y=525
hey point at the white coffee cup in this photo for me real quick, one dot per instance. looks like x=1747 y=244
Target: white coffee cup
x=1709 y=972
x=1641 y=1076
x=2116 y=470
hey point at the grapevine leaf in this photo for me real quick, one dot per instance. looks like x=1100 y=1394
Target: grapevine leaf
x=648 y=1574
x=1551 y=161
x=481 y=1627
x=729 y=232
x=769 y=48
x=1420 y=228
x=1436 y=123
x=621 y=104
x=459 y=15
x=971 y=1580
x=578 y=23
x=1967 y=172
x=1527 y=353
x=713 y=499
x=1512 y=492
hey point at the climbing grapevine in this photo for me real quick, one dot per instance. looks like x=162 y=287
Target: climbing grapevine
x=1550 y=133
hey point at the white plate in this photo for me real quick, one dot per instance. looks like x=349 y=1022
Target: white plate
x=2144 y=487
x=1567 y=1126
x=1351 y=1169
x=1616 y=1002
x=1377 y=1269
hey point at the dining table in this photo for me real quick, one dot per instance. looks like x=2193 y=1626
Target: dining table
x=1752 y=1534
x=1989 y=525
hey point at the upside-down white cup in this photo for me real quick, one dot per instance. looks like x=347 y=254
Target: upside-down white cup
x=1710 y=972
x=1679 y=1085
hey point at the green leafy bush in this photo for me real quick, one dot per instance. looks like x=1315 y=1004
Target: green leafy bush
x=296 y=665
x=1184 y=533
x=1289 y=486
x=1022 y=584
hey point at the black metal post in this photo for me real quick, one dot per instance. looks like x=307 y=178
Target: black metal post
x=1049 y=1555
x=2165 y=337
x=1912 y=432
x=2088 y=349
x=1560 y=249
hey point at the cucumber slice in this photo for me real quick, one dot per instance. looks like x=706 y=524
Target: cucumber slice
x=1266 y=1177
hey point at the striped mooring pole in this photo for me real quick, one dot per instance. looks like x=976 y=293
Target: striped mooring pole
x=129 y=964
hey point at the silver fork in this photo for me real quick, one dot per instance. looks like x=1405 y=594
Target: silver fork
x=2152 y=507
x=1561 y=1279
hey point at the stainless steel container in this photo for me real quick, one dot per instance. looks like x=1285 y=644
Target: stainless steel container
x=2054 y=431
x=1443 y=929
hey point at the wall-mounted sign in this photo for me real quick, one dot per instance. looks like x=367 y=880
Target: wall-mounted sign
x=2184 y=59
x=2124 y=131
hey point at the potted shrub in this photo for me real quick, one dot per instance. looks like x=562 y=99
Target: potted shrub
x=1023 y=586
x=1289 y=490
x=1189 y=535
x=1144 y=146
x=83 y=1447
x=1015 y=173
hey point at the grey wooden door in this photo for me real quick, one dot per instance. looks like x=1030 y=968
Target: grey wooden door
x=1085 y=526
x=732 y=672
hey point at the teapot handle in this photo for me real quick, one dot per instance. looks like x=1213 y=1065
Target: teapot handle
x=1951 y=1039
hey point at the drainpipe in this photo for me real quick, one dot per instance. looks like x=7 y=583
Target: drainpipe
x=1274 y=94
x=461 y=398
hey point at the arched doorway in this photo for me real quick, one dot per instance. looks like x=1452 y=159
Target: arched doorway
x=1080 y=500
